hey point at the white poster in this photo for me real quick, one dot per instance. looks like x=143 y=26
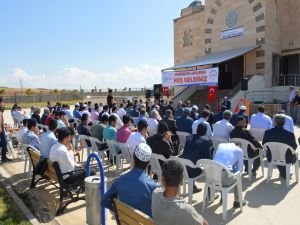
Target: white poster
x=205 y=77
x=232 y=33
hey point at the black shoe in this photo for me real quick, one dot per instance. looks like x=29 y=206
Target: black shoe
x=6 y=160
x=237 y=204
x=196 y=190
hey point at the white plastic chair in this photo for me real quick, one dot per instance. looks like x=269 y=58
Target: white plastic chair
x=216 y=141
x=95 y=142
x=213 y=179
x=182 y=139
x=186 y=178
x=258 y=133
x=244 y=146
x=155 y=165
x=84 y=145
x=278 y=152
x=125 y=151
x=10 y=146
x=113 y=153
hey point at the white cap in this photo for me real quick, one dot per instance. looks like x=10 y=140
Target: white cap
x=195 y=107
x=143 y=152
x=242 y=107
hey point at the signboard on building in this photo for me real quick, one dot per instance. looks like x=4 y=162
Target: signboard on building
x=204 y=77
x=232 y=33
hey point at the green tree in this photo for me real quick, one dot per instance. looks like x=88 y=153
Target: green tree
x=2 y=91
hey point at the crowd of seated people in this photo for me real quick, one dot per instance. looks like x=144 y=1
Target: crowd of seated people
x=151 y=128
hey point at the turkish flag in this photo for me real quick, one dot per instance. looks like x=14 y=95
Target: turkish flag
x=212 y=93
x=166 y=91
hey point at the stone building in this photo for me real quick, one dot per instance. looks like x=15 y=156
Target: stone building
x=243 y=38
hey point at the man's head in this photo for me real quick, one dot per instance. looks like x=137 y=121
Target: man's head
x=243 y=108
x=291 y=88
x=261 y=109
x=25 y=121
x=172 y=174
x=201 y=129
x=162 y=128
x=143 y=112
x=76 y=106
x=142 y=156
x=227 y=115
x=187 y=111
x=104 y=119
x=32 y=124
x=179 y=104
x=62 y=115
x=241 y=122
x=169 y=113
x=46 y=111
x=105 y=108
x=63 y=135
x=126 y=120
x=112 y=120
x=142 y=127
x=114 y=109
x=279 y=120
x=97 y=108
x=122 y=105
x=37 y=111
x=52 y=124
x=297 y=92
x=225 y=98
x=205 y=114
x=223 y=108
x=84 y=118
x=207 y=107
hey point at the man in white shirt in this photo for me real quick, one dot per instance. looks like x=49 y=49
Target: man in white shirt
x=231 y=156
x=61 y=119
x=260 y=119
x=223 y=128
x=22 y=131
x=63 y=155
x=121 y=112
x=137 y=137
x=204 y=117
x=48 y=139
x=289 y=123
x=119 y=122
x=68 y=112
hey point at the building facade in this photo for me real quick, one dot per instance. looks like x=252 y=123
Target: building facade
x=270 y=28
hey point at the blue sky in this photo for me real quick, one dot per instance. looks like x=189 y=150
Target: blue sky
x=91 y=42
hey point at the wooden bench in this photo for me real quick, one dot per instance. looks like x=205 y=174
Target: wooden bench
x=127 y=215
x=54 y=176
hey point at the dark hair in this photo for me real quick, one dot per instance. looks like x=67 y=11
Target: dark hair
x=55 y=113
x=207 y=106
x=172 y=172
x=261 y=108
x=142 y=111
x=31 y=123
x=61 y=113
x=162 y=127
x=72 y=131
x=112 y=118
x=84 y=117
x=110 y=91
x=104 y=118
x=25 y=121
x=52 y=124
x=205 y=114
x=121 y=104
x=96 y=106
x=201 y=129
x=1 y=99
x=114 y=108
x=62 y=133
x=139 y=164
x=105 y=107
x=223 y=108
x=142 y=124
x=240 y=118
x=126 y=119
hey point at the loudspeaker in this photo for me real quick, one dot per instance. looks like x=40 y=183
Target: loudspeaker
x=158 y=90
x=148 y=93
x=244 y=84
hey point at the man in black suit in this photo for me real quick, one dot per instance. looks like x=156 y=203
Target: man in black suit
x=170 y=121
x=279 y=134
x=185 y=122
x=219 y=115
x=241 y=132
x=197 y=147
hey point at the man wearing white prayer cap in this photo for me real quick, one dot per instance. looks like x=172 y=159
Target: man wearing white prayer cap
x=135 y=187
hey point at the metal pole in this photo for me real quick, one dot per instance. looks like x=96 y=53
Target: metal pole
x=94 y=155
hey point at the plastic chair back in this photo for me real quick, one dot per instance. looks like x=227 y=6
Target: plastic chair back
x=213 y=172
x=278 y=152
x=125 y=151
x=185 y=163
x=244 y=145
x=218 y=140
x=258 y=133
x=155 y=165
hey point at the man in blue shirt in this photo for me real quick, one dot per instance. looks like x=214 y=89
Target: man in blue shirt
x=135 y=187
x=48 y=139
x=31 y=136
x=76 y=113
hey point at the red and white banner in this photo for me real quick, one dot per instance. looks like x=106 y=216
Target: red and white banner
x=204 y=77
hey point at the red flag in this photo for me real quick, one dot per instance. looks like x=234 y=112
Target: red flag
x=166 y=91
x=212 y=93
